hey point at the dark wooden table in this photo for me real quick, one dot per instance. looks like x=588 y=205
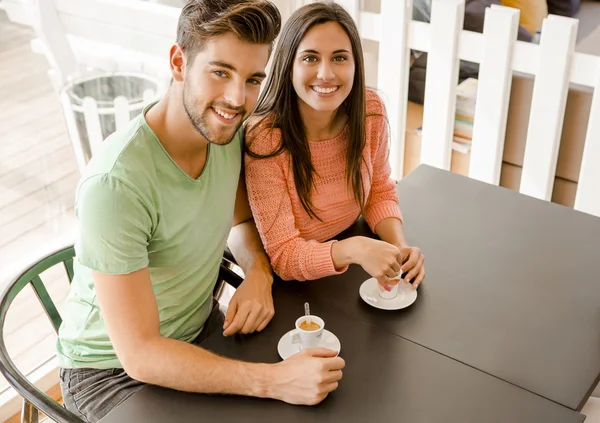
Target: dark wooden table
x=387 y=379
x=503 y=329
x=512 y=287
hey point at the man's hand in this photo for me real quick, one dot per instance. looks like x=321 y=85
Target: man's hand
x=307 y=377
x=251 y=307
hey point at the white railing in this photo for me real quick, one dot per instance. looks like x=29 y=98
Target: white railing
x=147 y=30
x=553 y=63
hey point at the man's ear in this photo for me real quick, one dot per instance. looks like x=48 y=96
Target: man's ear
x=177 y=62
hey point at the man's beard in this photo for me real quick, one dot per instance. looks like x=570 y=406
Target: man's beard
x=199 y=121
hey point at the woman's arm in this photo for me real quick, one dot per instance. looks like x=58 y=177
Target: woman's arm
x=292 y=257
x=382 y=211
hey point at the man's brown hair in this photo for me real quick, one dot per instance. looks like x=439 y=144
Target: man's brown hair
x=253 y=21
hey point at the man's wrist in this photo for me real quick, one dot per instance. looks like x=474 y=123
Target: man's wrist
x=260 y=272
x=261 y=377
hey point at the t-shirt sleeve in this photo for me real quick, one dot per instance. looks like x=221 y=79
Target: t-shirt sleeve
x=115 y=226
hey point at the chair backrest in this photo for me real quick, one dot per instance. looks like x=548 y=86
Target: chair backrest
x=15 y=378
x=31 y=276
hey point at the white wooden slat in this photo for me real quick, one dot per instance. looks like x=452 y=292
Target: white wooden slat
x=73 y=131
x=525 y=55
x=105 y=32
x=111 y=58
x=493 y=93
x=121 y=112
x=392 y=78
x=143 y=16
x=471 y=47
x=470 y=44
x=440 y=83
x=584 y=69
x=61 y=56
x=92 y=123
x=419 y=36
x=587 y=198
x=352 y=7
x=370 y=26
x=548 y=106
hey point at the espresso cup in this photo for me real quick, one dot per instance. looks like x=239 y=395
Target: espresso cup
x=392 y=293
x=306 y=334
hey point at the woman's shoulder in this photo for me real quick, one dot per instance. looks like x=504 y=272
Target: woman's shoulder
x=261 y=136
x=375 y=104
x=376 y=122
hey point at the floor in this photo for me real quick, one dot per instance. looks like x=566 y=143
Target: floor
x=589 y=18
x=38 y=175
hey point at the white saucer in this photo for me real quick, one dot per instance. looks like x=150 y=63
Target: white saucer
x=286 y=349
x=369 y=292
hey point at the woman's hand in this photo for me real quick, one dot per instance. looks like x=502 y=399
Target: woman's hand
x=413 y=265
x=382 y=260
x=379 y=259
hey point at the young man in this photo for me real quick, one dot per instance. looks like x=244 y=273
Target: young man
x=155 y=208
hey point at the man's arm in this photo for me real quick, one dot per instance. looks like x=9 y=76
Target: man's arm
x=251 y=308
x=128 y=306
x=244 y=240
x=130 y=311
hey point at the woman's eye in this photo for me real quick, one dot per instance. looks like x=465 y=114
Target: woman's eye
x=309 y=59
x=340 y=59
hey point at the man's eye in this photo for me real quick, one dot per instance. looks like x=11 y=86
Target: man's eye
x=220 y=73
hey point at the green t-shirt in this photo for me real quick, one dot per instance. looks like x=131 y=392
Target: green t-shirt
x=136 y=208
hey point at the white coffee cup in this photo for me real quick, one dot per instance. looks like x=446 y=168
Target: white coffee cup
x=308 y=338
x=392 y=293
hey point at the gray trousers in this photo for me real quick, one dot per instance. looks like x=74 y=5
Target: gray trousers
x=92 y=393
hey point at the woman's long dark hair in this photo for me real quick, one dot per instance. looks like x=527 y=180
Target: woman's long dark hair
x=279 y=101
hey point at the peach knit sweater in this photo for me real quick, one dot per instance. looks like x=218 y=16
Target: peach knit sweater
x=293 y=240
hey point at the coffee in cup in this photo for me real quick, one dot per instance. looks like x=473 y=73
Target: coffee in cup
x=309 y=325
x=308 y=332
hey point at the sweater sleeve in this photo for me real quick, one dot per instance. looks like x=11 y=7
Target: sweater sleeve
x=292 y=257
x=383 y=199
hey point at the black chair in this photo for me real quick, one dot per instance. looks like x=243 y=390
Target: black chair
x=33 y=398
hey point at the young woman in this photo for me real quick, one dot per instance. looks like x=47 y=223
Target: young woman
x=317 y=157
